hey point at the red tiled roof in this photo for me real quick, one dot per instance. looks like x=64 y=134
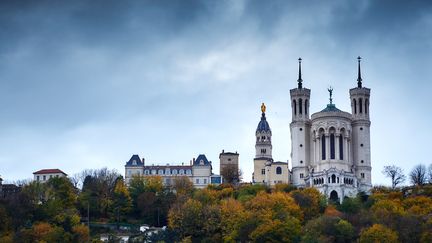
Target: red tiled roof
x=49 y=171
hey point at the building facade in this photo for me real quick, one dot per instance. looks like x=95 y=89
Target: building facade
x=45 y=174
x=330 y=149
x=266 y=170
x=228 y=161
x=199 y=171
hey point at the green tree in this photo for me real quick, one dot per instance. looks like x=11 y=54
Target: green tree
x=122 y=202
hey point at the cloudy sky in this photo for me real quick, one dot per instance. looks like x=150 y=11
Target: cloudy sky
x=86 y=84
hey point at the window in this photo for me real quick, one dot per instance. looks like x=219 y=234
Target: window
x=301 y=129
x=50 y=176
x=229 y=159
x=278 y=170
x=323 y=147
x=37 y=178
x=306 y=107
x=362 y=161
x=341 y=147
x=174 y=172
x=129 y=172
x=205 y=181
x=167 y=171
x=263 y=151
x=44 y=178
x=134 y=162
x=197 y=181
x=188 y=172
x=146 y=172
x=301 y=175
x=181 y=171
x=332 y=146
x=300 y=106
x=301 y=161
x=362 y=175
x=161 y=172
x=262 y=171
x=361 y=105
x=153 y=172
x=333 y=179
x=355 y=106
x=361 y=128
x=361 y=145
x=201 y=162
x=295 y=107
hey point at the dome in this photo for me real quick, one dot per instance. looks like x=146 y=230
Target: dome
x=331 y=108
x=263 y=125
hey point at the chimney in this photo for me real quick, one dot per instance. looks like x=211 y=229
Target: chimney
x=190 y=162
x=223 y=150
x=193 y=160
x=143 y=160
x=182 y=163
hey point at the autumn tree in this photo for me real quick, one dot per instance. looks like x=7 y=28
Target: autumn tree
x=378 y=233
x=122 y=201
x=395 y=173
x=418 y=175
x=231 y=174
x=182 y=185
x=310 y=200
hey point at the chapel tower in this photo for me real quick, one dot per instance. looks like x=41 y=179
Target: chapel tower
x=360 y=97
x=300 y=130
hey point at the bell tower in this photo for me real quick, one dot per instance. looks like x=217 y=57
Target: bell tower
x=300 y=130
x=360 y=97
x=263 y=145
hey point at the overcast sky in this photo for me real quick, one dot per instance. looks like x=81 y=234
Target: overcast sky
x=86 y=84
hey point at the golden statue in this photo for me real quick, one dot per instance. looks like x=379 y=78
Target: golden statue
x=263 y=108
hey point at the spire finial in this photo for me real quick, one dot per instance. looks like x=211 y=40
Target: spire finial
x=299 y=80
x=263 y=108
x=330 y=90
x=359 y=79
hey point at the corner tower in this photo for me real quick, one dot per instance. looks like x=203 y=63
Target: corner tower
x=360 y=97
x=263 y=150
x=300 y=130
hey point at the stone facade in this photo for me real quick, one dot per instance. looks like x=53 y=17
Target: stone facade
x=199 y=171
x=330 y=150
x=228 y=159
x=45 y=174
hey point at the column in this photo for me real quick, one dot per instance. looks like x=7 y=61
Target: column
x=337 y=146
x=327 y=138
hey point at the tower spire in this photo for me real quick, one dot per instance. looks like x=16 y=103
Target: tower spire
x=299 y=80
x=359 y=79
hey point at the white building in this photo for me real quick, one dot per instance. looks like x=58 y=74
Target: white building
x=330 y=149
x=45 y=174
x=199 y=171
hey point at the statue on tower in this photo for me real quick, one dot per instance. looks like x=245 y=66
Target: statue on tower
x=263 y=108
x=330 y=90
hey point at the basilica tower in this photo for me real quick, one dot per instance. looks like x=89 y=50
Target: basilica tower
x=300 y=131
x=360 y=97
x=263 y=150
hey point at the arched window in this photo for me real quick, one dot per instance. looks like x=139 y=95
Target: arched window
x=333 y=179
x=278 y=170
x=341 y=147
x=300 y=106
x=306 y=107
x=355 y=106
x=361 y=105
x=295 y=107
x=366 y=106
x=332 y=146
x=323 y=147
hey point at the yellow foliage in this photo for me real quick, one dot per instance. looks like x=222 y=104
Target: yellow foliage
x=378 y=233
x=276 y=205
x=331 y=211
x=232 y=215
x=81 y=233
x=419 y=205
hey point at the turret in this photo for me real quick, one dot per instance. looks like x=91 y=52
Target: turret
x=263 y=135
x=360 y=97
x=300 y=130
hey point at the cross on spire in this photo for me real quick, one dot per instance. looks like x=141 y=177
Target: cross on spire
x=359 y=79
x=299 y=80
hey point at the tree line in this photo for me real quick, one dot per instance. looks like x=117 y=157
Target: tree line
x=60 y=210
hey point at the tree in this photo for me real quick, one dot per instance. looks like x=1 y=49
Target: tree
x=231 y=174
x=183 y=185
x=418 y=175
x=430 y=174
x=277 y=231
x=122 y=202
x=378 y=233
x=395 y=173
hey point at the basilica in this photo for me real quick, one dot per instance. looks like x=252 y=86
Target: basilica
x=330 y=149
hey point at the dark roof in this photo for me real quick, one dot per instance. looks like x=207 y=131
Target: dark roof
x=331 y=108
x=48 y=171
x=203 y=158
x=263 y=125
x=157 y=167
x=136 y=158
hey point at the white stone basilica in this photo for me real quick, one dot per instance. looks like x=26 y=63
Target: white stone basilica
x=330 y=149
